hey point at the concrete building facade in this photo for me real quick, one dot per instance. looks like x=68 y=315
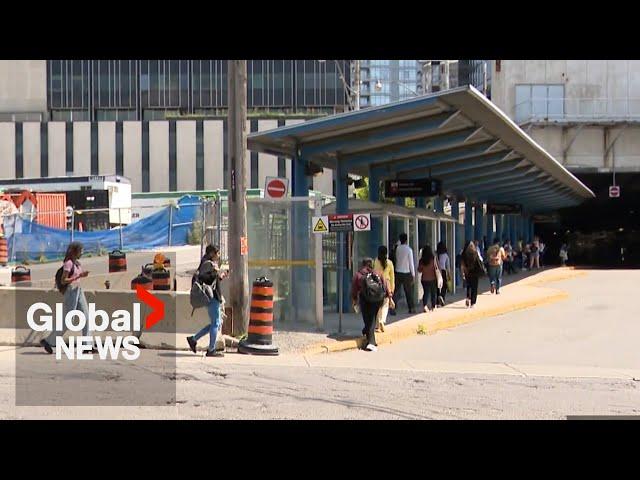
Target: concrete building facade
x=586 y=113
x=160 y=123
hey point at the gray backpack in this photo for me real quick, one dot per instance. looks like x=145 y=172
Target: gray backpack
x=201 y=294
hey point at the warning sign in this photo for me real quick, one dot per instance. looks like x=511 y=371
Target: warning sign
x=320 y=224
x=362 y=222
x=341 y=223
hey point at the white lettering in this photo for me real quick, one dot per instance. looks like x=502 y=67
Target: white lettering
x=130 y=345
x=68 y=350
x=121 y=321
x=93 y=314
x=106 y=346
x=84 y=345
x=68 y=320
x=136 y=317
x=46 y=321
x=59 y=317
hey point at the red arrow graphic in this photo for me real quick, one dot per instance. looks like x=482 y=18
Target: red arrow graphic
x=157 y=306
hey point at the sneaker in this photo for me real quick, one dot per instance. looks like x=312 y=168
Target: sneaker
x=497 y=292
x=372 y=348
x=192 y=343
x=46 y=346
x=425 y=308
x=466 y=302
x=493 y=288
x=214 y=354
x=473 y=306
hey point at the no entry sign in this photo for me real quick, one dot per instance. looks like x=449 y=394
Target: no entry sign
x=361 y=222
x=614 y=191
x=276 y=188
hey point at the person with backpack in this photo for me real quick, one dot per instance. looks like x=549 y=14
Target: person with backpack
x=208 y=276
x=384 y=267
x=368 y=291
x=496 y=256
x=67 y=281
x=472 y=269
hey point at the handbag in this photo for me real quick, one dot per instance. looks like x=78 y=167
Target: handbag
x=438 y=276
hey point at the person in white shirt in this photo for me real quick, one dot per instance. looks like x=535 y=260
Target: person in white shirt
x=445 y=268
x=405 y=272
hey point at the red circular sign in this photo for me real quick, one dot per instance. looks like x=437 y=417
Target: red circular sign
x=276 y=188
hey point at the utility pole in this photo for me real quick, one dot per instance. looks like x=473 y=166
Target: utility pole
x=237 y=141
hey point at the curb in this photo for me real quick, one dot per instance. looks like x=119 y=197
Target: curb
x=419 y=324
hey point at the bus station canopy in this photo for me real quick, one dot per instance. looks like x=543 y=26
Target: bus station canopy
x=390 y=209
x=457 y=136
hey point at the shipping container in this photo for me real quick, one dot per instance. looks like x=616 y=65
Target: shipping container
x=51 y=210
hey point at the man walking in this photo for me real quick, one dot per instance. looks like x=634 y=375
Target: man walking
x=405 y=273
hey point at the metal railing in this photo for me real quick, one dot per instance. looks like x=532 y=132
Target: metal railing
x=578 y=109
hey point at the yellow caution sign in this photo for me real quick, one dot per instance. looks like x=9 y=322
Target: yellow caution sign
x=320 y=224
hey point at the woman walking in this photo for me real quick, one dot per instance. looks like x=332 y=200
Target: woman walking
x=209 y=274
x=428 y=266
x=472 y=269
x=384 y=267
x=69 y=285
x=444 y=263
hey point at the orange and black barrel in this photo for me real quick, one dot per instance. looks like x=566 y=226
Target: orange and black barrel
x=117 y=261
x=260 y=335
x=143 y=281
x=21 y=275
x=161 y=279
x=4 y=251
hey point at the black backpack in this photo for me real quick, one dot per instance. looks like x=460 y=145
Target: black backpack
x=62 y=288
x=373 y=288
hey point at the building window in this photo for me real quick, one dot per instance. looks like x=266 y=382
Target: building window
x=68 y=85
x=540 y=102
x=164 y=87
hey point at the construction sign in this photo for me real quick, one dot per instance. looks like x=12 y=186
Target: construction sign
x=320 y=224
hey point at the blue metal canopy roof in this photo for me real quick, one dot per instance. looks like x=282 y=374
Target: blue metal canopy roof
x=457 y=136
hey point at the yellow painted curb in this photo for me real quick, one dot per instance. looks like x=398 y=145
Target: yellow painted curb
x=411 y=326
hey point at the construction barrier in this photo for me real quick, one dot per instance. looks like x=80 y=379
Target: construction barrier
x=117 y=261
x=4 y=251
x=21 y=274
x=161 y=279
x=260 y=337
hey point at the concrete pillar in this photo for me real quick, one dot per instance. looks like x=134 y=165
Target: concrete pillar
x=512 y=229
x=531 y=229
x=457 y=233
x=468 y=221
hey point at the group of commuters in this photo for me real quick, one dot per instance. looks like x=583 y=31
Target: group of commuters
x=379 y=283
x=519 y=256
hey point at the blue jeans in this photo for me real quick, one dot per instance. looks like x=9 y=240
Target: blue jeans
x=214 y=314
x=495 y=275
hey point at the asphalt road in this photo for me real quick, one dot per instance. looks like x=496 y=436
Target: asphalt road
x=575 y=357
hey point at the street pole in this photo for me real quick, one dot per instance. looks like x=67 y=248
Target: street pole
x=237 y=141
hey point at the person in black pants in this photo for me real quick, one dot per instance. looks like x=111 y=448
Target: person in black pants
x=369 y=309
x=472 y=269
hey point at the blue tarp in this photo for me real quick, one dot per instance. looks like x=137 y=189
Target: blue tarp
x=34 y=242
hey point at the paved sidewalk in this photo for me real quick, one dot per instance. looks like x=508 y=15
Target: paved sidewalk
x=522 y=290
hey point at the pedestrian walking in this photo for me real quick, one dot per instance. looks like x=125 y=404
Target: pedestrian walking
x=534 y=256
x=384 y=267
x=564 y=254
x=508 y=261
x=472 y=269
x=210 y=276
x=428 y=268
x=496 y=256
x=405 y=273
x=368 y=291
x=444 y=263
x=67 y=281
